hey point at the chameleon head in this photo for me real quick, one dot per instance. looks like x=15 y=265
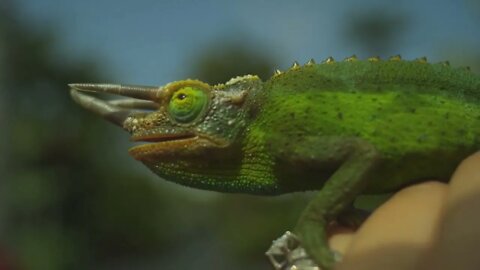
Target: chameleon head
x=191 y=131
x=192 y=117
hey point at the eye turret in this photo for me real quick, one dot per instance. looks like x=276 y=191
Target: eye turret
x=187 y=103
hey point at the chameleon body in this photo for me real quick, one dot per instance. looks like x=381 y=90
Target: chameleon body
x=343 y=128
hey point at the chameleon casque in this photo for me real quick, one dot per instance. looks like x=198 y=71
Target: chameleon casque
x=343 y=128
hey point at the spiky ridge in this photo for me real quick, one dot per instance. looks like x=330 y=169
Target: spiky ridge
x=354 y=58
x=422 y=117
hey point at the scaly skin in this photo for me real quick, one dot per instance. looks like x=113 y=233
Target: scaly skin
x=343 y=128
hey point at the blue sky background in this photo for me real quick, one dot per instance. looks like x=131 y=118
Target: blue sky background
x=151 y=42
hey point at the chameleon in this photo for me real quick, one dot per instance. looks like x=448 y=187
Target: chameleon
x=343 y=128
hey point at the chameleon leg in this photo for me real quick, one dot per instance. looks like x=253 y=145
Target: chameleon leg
x=336 y=195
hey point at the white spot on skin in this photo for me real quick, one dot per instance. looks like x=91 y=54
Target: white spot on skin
x=241 y=78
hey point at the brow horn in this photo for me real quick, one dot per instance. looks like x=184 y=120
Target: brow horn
x=134 y=91
x=108 y=111
x=115 y=111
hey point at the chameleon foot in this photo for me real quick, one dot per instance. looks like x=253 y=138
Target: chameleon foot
x=286 y=253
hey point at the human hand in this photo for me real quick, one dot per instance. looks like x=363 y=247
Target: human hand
x=426 y=226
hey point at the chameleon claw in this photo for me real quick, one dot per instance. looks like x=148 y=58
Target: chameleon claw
x=287 y=253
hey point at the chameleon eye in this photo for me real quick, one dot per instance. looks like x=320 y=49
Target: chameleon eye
x=186 y=104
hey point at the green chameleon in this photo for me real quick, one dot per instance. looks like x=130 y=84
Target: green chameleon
x=343 y=128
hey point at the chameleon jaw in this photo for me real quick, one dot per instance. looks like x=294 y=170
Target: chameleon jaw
x=169 y=146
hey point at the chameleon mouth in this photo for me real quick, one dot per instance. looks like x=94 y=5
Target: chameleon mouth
x=164 y=145
x=161 y=138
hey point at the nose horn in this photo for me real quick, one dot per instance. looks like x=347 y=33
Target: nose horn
x=134 y=91
x=109 y=112
x=115 y=111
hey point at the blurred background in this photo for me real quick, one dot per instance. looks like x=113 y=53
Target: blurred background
x=72 y=198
